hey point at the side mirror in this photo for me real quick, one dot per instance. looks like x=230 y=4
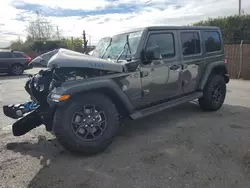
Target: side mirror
x=152 y=53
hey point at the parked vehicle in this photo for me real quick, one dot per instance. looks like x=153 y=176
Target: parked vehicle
x=42 y=60
x=82 y=98
x=14 y=62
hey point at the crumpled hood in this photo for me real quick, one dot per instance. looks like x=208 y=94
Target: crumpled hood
x=69 y=58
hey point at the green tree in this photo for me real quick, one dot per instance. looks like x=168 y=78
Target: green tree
x=74 y=44
x=21 y=46
x=234 y=28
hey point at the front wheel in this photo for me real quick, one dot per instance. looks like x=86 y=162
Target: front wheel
x=214 y=93
x=87 y=124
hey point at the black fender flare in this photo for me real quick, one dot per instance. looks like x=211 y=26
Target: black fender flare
x=77 y=87
x=210 y=68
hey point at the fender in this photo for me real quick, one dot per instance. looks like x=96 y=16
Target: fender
x=211 y=67
x=80 y=86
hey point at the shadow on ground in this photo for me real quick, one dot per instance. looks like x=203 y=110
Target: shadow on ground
x=180 y=147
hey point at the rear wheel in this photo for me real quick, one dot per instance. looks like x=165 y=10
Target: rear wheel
x=214 y=93
x=16 y=70
x=87 y=125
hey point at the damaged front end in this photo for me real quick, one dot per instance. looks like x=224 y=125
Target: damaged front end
x=35 y=112
x=38 y=111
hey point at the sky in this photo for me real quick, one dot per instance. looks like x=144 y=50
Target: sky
x=100 y=18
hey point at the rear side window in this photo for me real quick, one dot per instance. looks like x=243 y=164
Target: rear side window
x=165 y=41
x=191 y=43
x=5 y=55
x=19 y=55
x=212 y=41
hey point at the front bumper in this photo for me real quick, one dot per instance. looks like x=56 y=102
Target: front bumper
x=29 y=118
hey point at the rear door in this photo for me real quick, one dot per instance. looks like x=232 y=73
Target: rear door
x=5 y=60
x=213 y=46
x=192 y=59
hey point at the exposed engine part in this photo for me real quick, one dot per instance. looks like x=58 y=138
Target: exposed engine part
x=39 y=85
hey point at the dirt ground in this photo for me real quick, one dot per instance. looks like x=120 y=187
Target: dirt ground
x=181 y=147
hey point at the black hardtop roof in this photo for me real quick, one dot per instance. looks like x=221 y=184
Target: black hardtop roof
x=183 y=27
x=150 y=28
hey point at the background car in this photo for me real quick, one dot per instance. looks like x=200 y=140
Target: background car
x=42 y=60
x=14 y=62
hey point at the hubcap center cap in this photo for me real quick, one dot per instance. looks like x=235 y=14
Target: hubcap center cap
x=89 y=120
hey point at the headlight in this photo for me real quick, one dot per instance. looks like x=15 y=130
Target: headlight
x=57 y=98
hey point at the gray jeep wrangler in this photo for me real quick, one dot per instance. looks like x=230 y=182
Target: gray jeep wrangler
x=81 y=98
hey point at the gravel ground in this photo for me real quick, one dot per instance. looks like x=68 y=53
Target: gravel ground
x=179 y=148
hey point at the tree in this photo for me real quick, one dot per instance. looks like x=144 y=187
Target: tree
x=233 y=28
x=20 y=46
x=42 y=29
x=74 y=44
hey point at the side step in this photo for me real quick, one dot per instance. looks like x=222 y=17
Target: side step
x=166 y=105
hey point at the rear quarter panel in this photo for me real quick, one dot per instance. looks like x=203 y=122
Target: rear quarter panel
x=211 y=57
x=18 y=60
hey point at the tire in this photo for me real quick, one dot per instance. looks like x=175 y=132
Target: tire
x=74 y=142
x=209 y=102
x=16 y=70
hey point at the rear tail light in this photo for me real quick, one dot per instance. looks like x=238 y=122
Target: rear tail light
x=28 y=57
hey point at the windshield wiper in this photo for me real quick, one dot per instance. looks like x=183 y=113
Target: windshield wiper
x=107 y=48
x=126 y=44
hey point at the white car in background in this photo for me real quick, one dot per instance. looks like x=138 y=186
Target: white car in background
x=42 y=60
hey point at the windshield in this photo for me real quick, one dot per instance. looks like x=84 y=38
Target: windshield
x=119 y=44
x=101 y=47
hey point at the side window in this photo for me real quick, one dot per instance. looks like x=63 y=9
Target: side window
x=165 y=41
x=18 y=55
x=191 y=43
x=5 y=55
x=212 y=41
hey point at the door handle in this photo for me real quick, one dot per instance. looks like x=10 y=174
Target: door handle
x=175 y=67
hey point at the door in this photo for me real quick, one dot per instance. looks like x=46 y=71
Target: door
x=192 y=59
x=161 y=79
x=5 y=58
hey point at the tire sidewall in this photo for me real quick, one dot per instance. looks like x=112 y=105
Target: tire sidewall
x=216 y=79
x=64 y=127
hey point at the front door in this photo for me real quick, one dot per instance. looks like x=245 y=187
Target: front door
x=161 y=79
